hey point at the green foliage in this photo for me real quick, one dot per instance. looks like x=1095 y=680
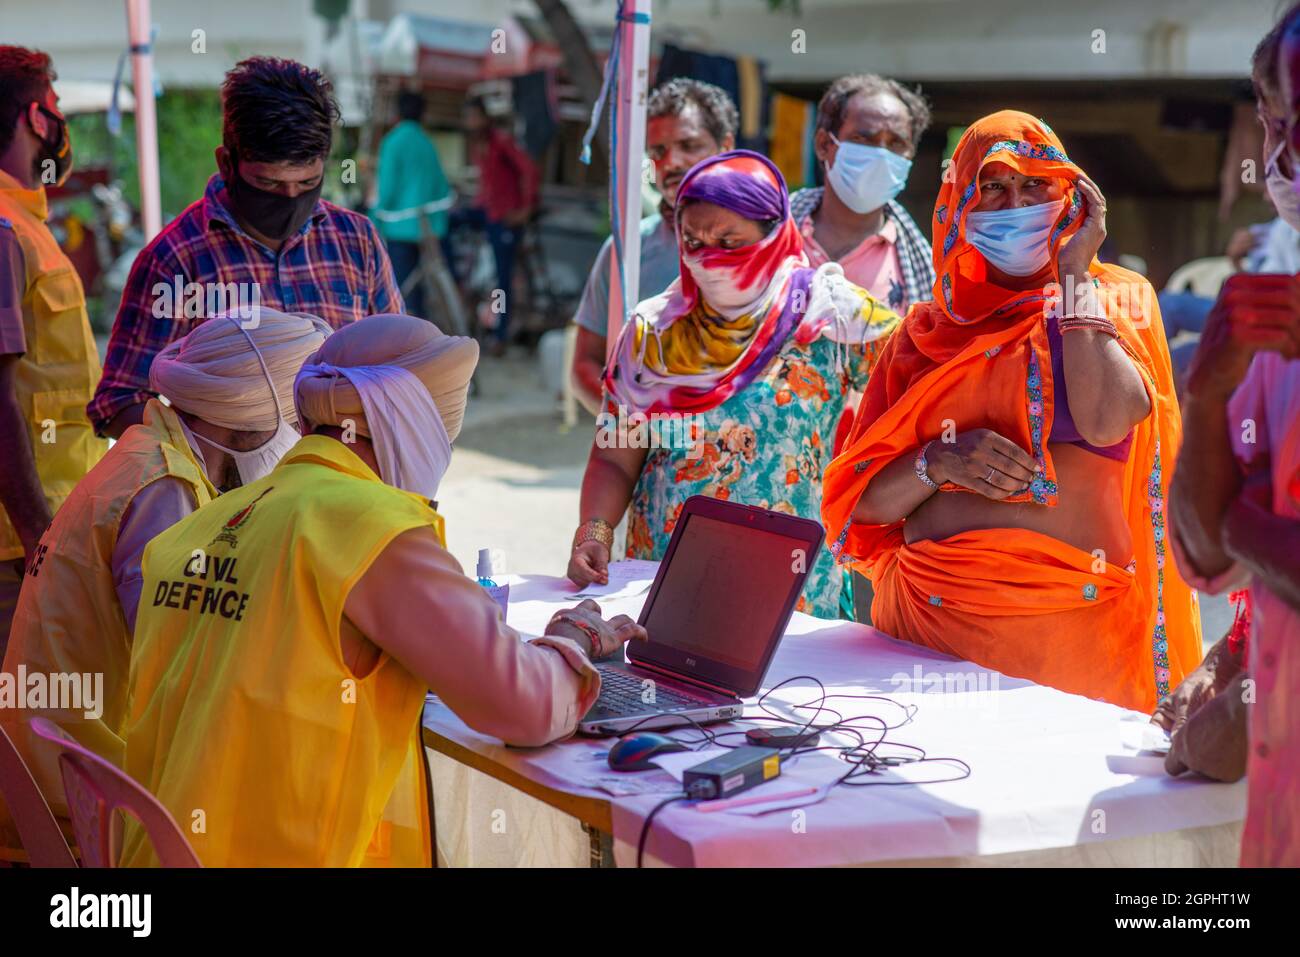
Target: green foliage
x=189 y=129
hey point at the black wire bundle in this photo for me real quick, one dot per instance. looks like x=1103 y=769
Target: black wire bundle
x=862 y=757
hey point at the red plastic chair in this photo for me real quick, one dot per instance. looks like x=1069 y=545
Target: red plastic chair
x=95 y=790
x=39 y=831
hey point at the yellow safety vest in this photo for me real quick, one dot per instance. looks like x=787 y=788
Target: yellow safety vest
x=244 y=720
x=68 y=619
x=57 y=375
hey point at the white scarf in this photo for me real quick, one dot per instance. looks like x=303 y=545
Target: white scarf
x=407 y=433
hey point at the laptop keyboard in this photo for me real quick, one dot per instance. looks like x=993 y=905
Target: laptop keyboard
x=622 y=693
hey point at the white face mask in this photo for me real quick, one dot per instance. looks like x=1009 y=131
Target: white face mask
x=866 y=177
x=253 y=464
x=1282 y=190
x=1015 y=240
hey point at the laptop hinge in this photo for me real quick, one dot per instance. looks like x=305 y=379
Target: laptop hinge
x=684 y=679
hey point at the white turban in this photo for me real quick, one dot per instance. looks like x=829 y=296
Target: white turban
x=221 y=369
x=402 y=383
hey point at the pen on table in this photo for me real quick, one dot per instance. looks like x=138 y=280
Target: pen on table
x=754 y=799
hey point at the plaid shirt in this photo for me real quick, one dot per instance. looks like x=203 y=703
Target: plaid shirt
x=335 y=267
x=915 y=259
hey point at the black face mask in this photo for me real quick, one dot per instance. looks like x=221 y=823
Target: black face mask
x=274 y=215
x=56 y=158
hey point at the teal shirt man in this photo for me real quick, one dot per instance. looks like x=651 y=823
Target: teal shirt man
x=410 y=174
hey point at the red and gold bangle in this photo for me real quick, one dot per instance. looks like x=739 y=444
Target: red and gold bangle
x=593 y=636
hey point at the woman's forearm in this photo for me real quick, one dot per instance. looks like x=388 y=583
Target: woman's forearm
x=894 y=493
x=608 y=483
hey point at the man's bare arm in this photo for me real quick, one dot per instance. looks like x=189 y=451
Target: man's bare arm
x=131 y=415
x=1206 y=481
x=589 y=369
x=20 y=485
x=1267 y=544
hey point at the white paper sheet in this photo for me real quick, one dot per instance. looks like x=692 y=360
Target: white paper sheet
x=626 y=580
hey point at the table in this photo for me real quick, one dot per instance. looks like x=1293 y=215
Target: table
x=1056 y=779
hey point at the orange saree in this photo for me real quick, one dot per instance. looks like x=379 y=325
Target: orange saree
x=1014 y=600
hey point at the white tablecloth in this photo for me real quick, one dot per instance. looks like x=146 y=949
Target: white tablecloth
x=1055 y=778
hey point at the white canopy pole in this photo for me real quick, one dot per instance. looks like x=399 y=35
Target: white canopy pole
x=633 y=88
x=146 y=118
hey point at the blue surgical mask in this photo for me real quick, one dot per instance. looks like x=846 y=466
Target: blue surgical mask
x=1017 y=241
x=866 y=177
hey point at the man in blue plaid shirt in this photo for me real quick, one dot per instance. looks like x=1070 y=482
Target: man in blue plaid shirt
x=261 y=235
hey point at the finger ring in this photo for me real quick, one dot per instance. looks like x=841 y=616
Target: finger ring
x=989 y=477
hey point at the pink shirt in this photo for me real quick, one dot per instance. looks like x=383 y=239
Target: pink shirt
x=1270 y=395
x=1266 y=408
x=873 y=265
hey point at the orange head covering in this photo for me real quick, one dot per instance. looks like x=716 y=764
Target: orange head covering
x=1029 y=147
x=978 y=356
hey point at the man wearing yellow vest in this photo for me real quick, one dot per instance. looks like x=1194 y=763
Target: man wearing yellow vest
x=288 y=631
x=48 y=363
x=231 y=417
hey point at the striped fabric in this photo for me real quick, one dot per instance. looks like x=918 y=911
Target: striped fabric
x=914 y=252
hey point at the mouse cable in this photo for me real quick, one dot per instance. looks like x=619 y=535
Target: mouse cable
x=686 y=723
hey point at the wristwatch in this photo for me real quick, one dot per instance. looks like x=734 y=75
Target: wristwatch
x=921 y=466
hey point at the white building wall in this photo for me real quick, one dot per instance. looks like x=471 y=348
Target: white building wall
x=936 y=39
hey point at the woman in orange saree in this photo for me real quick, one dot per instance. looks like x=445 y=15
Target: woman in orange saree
x=1006 y=479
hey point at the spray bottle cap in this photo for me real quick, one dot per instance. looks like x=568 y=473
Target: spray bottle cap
x=484 y=563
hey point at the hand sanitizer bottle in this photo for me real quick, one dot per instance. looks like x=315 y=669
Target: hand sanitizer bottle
x=499 y=593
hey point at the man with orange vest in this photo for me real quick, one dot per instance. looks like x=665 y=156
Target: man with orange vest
x=230 y=418
x=289 y=631
x=48 y=362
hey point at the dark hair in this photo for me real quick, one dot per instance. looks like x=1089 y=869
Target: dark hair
x=1264 y=61
x=277 y=111
x=716 y=109
x=25 y=75
x=830 y=111
x=410 y=105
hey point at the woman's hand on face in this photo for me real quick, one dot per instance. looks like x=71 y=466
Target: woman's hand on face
x=589 y=563
x=1081 y=250
x=984 y=462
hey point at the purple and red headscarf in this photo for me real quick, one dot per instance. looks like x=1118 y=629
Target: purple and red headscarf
x=700 y=342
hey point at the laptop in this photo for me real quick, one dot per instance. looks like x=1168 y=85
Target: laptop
x=718 y=607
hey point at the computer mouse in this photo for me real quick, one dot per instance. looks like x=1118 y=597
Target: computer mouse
x=634 y=751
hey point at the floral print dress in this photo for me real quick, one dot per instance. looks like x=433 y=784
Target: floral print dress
x=766 y=445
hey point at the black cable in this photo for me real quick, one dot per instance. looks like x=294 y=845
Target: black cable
x=645 y=827
x=863 y=757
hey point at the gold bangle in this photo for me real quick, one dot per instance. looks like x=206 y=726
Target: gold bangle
x=595 y=530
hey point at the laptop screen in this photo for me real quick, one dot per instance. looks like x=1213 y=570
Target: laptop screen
x=724 y=595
